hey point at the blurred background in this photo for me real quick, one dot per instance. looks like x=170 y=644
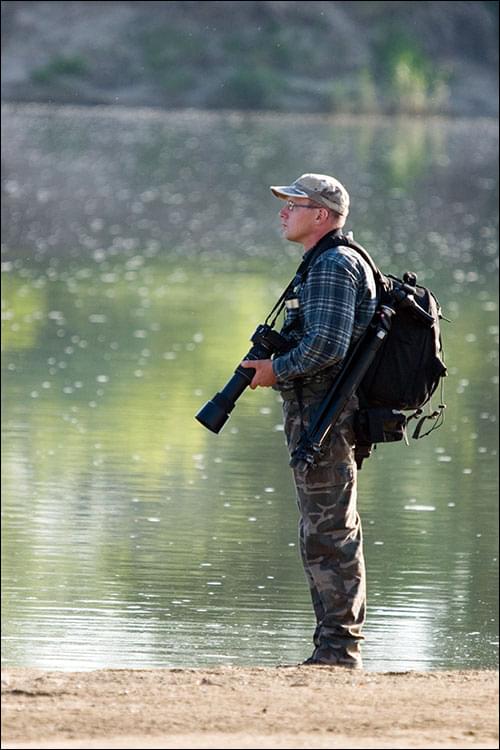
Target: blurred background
x=362 y=57
x=140 y=249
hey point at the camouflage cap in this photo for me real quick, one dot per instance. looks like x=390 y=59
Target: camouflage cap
x=320 y=188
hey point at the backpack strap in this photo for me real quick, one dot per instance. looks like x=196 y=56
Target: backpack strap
x=331 y=240
x=380 y=278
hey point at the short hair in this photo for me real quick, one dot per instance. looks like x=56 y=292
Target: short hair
x=340 y=219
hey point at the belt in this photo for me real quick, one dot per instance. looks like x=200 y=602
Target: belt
x=307 y=390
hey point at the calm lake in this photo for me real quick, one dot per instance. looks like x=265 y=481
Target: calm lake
x=140 y=251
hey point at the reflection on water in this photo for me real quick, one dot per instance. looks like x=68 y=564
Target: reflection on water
x=140 y=251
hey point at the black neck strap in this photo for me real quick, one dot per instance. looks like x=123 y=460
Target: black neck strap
x=329 y=241
x=332 y=239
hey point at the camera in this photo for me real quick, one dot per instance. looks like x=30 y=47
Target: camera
x=266 y=342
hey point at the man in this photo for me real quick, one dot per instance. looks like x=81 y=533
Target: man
x=330 y=310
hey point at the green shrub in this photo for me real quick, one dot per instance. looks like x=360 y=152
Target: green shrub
x=58 y=67
x=410 y=80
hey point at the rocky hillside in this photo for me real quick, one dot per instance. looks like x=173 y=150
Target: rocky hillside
x=362 y=57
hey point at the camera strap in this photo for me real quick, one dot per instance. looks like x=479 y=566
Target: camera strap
x=329 y=241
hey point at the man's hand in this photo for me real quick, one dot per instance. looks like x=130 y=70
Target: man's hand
x=264 y=375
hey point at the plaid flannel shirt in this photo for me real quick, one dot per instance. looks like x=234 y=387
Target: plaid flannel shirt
x=335 y=305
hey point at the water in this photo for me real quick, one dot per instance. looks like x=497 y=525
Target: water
x=140 y=250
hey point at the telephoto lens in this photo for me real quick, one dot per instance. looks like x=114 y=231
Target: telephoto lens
x=215 y=413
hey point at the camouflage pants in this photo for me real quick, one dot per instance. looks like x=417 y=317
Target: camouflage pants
x=330 y=534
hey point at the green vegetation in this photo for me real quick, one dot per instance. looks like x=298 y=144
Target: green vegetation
x=267 y=65
x=412 y=83
x=362 y=58
x=59 y=67
x=178 y=58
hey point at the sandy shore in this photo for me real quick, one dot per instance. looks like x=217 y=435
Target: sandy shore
x=240 y=707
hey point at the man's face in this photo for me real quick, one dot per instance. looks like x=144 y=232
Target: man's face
x=299 y=220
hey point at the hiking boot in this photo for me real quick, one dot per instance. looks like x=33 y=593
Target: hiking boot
x=309 y=662
x=312 y=662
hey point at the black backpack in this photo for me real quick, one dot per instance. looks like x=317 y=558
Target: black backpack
x=409 y=366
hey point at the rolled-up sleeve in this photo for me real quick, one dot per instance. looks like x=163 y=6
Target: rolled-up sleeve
x=328 y=306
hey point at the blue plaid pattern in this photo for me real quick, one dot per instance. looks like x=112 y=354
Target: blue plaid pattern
x=335 y=305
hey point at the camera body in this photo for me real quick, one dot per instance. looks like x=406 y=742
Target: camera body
x=266 y=342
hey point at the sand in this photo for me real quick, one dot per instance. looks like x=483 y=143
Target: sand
x=249 y=707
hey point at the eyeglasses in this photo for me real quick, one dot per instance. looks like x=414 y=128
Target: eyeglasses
x=291 y=206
